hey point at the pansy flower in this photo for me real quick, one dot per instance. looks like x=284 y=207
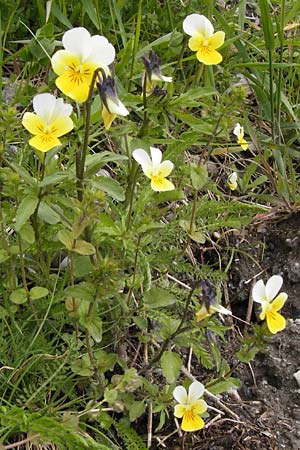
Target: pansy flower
x=238 y=131
x=205 y=312
x=50 y=120
x=270 y=302
x=232 y=181
x=76 y=64
x=154 y=169
x=190 y=407
x=203 y=39
x=153 y=72
x=111 y=104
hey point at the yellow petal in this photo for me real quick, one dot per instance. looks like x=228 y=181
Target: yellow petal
x=107 y=117
x=196 y=42
x=179 y=411
x=199 y=407
x=243 y=143
x=232 y=186
x=33 y=123
x=63 y=60
x=60 y=126
x=216 y=40
x=279 y=301
x=161 y=184
x=208 y=56
x=191 y=421
x=165 y=168
x=202 y=314
x=275 y=321
x=44 y=142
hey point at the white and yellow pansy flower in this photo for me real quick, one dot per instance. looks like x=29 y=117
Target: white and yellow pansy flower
x=76 y=64
x=50 y=120
x=238 y=131
x=154 y=169
x=190 y=407
x=232 y=181
x=203 y=39
x=270 y=302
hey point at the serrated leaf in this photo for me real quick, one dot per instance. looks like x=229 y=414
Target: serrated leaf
x=25 y=210
x=110 y=186
x=47 y=214
x=171 y=364
x=19 y=296
x=158 y=298
x=224 y=385
x=38 y=292
x=199 y=176
x=94 y=326
x=27 y=233
x=136 y=410
x=66 y=237
x=83 y=291
x=84 y=248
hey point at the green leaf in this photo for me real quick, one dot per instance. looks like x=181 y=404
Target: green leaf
x=98 y=160
x=4 y=255
x=66 y=237
x=224 y=385
x=158 y=298
x=83 y=291
x=47 y=214
x=83 y=266
x=110 y=186
x=25 y=210
x=38 y=292
x=94 y=326
x=199 y=176
x=27 y=233
x=19 y=296
x=84 y=248
x=171 y=364
x=136 y=409
x=192 y=97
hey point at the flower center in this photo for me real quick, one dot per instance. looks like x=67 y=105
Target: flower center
x=158 y=180
x=79 y=74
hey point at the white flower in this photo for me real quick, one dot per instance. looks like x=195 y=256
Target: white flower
x=238 y=131
x=154 y=169
x=232 y=181
x=190 y=407
x=50 y=120
x=76 y=64
x=270 y=302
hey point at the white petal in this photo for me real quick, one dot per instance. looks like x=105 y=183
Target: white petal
x=44 y=105
x=101 y=51
x=160 y=77
x=77 y=41
x=142 y=158
x=273 y=286
x=232 y=178
x=259 y=292
x=61 y=108
x=119 y=109
x=156 y=156
x=196 y=391
x=180 y=395
x=238 y=131
x=195 y=24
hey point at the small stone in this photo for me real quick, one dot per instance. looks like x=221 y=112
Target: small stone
x=296 y=375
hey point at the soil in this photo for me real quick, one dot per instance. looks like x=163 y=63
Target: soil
x=267 y=406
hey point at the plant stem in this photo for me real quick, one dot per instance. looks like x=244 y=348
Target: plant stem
x=136 y=41
x=81 y=154
x=145 y=119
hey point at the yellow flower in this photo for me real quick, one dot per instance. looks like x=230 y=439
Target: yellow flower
x=264 y=294
x=239 y=132
x=203 y=39
x=232 y=181
x=76 y=64
x=190 y=407
x=154 y=169
x=49 y=122
x=111 y=104
x=212 y=309
x=153 y=72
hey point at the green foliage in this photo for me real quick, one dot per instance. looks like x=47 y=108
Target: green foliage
x=129 y=436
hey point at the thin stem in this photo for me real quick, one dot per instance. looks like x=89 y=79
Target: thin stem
x=81 y=154
x=134 y=268
x=145 y=119
x=179 y=329
x=271 y=73
x=136 y=41
x=23 y=441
